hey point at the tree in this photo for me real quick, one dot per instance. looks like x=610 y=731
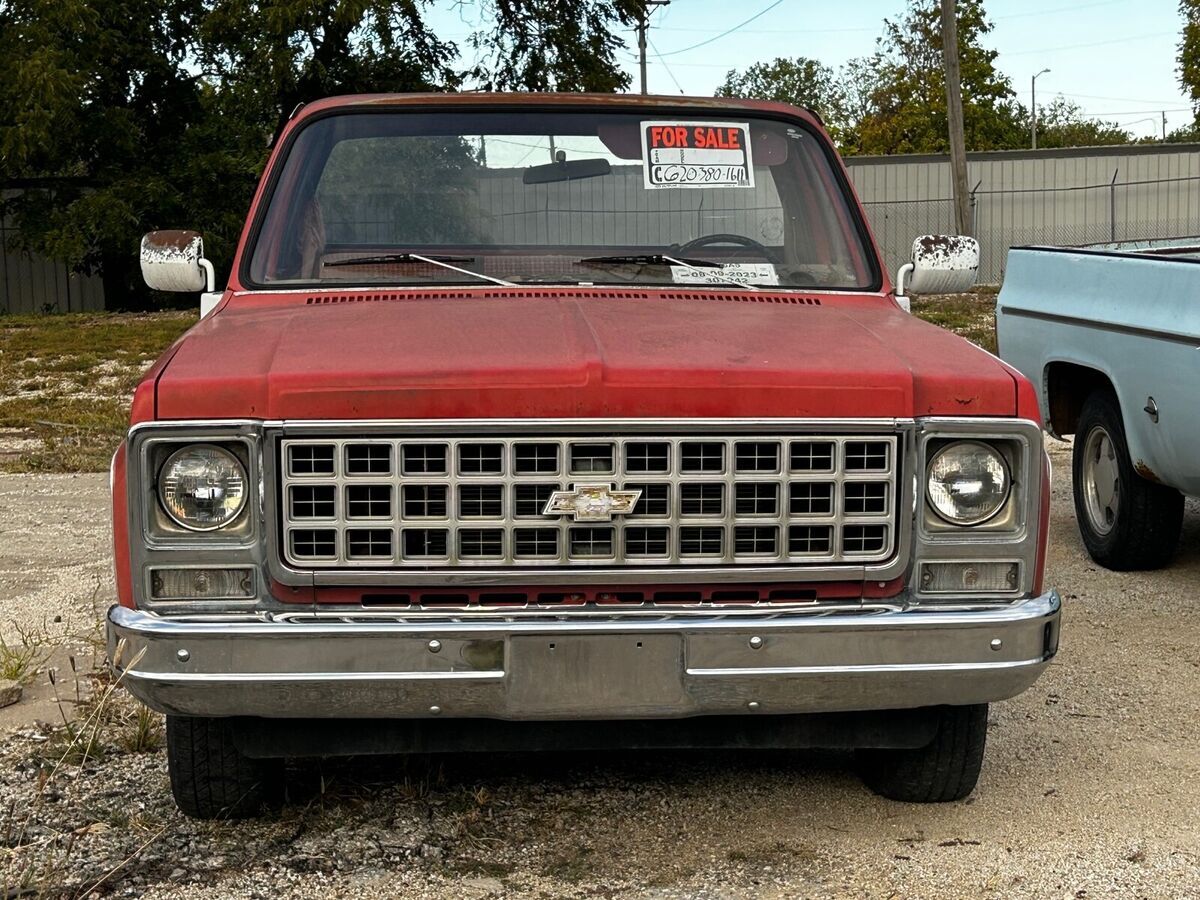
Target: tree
x=799 y=81
x=1188 y=56
x=908 y=102
x=96 y=104
x=838 y=98
x=1062 y=123
x=121 y=116
x=560 y=45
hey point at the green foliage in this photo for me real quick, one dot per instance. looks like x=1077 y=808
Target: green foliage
x=895 y=100
x=805 y=82
x=564 y=45
x=908 y=99
x=1062 y=123
x=131 y=115
x=1188 y=56
x=799 y=81
x=95 y=97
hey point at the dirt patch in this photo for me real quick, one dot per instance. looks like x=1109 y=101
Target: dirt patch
x=68 y=383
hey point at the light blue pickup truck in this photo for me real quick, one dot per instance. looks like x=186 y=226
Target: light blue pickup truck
x=1110 y=336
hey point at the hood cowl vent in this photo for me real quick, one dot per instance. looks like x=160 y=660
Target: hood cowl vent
x=586 y=294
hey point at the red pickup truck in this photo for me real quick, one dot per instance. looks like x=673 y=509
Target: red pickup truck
x=548 y=422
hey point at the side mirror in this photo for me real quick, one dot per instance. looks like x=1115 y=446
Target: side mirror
x=174 y=261
x=941 y=264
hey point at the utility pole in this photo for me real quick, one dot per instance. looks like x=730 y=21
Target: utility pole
x=1033 y=108
x=958 y=144
x=1164 y=120
x=643 y=24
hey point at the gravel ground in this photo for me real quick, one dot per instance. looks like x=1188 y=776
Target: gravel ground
x=55 y=555
x=1089 y=789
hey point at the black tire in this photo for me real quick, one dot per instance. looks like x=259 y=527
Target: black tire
x=1142 y=532
x=945 y=769
x=211 y=778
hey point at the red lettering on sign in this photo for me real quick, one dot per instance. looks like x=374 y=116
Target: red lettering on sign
x=717 y=138
x=668 y=136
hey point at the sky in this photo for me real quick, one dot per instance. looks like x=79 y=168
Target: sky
x=1115 y=58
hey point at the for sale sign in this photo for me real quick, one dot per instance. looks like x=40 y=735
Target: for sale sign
x=697 y=155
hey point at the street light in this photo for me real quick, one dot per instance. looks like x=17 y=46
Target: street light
x=1033 y=107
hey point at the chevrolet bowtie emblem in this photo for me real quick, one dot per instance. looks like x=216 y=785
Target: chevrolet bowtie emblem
x=591 y=503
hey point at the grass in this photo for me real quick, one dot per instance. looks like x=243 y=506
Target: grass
x=972 y=316
x=68 y=383
x=69 y=378
x=21 y=661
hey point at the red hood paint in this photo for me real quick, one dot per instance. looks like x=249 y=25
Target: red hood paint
x=578 y=352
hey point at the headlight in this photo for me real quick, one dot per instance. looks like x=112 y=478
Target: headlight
x=968 y=482
x=202 y=487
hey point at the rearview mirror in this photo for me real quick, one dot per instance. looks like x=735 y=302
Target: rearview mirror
x=174 y=261
x=566 y=170
x=941 y=264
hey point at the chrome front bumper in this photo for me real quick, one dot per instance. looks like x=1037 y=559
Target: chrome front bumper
x=612 y=668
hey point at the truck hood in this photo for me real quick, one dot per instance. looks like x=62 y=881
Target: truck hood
x=551 y=353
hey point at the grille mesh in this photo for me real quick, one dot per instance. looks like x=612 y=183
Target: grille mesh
x=705 y=500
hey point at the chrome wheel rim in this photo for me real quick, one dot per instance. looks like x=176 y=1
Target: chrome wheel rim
x=1101 y=480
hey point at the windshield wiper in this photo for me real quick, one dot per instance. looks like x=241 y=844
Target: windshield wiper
x=652 y=259
x=408 y=258
x=659 y=259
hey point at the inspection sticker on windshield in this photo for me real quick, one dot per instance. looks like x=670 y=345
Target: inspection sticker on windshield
x=697 y=155
x=740 y=273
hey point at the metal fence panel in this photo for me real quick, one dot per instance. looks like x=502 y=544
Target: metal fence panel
x=1067 y=197
x=34 y=284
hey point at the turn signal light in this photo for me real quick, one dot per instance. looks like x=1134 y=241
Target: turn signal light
x=201 y=584
x=970 y=577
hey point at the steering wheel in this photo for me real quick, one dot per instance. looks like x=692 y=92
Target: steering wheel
x=738 y=240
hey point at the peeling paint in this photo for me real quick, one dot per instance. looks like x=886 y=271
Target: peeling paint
x=171 y=261
x=943 y=264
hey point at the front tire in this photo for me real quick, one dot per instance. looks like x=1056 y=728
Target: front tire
x=945 y=769
x=1126 y=522
x=211 y=778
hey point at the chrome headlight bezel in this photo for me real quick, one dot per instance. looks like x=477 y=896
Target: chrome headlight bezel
x=150 y=448
x=1012 y=534
x=1002 y=468
x=177 y=456
x=156 y=540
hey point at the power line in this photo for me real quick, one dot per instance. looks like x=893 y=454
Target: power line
x=665 y=66
x=1058 y=9
x=862 y=28
x=1121 y=99
x=729 y=31
x=1122 y=40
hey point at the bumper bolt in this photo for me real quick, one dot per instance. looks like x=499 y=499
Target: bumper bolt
x=996 y=643
x=435 y=646
x=752 y=706
x=756 y=643
x=182 y=655
x=435 y=710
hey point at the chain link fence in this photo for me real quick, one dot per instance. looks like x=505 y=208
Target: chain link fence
x=1063 y=216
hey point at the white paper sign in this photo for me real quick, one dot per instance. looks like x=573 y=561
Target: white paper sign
x=742 y=273
x=696 y=155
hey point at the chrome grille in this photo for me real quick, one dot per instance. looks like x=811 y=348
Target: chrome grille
x=432 y=502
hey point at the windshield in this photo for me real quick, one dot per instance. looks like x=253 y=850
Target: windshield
x=419 y=198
